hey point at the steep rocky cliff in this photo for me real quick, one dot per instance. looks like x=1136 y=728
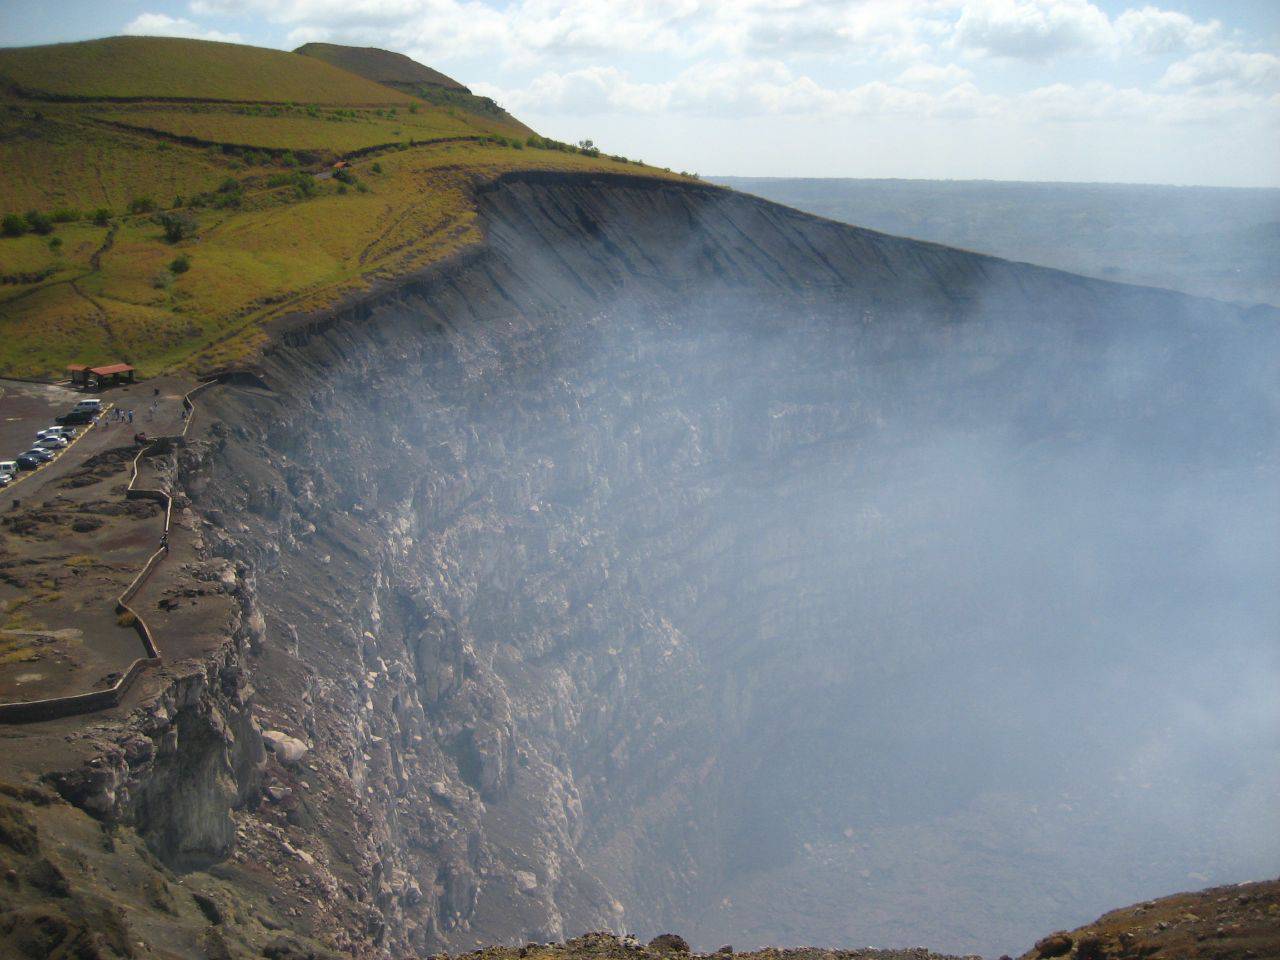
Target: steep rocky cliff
x=611 y=577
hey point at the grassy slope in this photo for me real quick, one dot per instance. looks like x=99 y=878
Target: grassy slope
x=380 y=65
x=160 y=67
x=408 y=76
x=260 y=249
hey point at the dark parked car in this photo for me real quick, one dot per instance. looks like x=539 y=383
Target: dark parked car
x=29 y=461
x=75 y=416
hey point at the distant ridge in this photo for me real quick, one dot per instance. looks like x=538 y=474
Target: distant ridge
x=381 y=66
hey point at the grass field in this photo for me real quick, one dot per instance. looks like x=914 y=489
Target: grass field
x=53 y=157
x=157 y=68
x=199 y=245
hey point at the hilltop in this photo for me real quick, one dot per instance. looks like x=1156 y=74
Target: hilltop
x=164 y=197
x=164 y=68
x=381 y=66
x=398 y=72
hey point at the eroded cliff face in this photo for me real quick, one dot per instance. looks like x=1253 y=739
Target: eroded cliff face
x=602 y=570
x=614 y=577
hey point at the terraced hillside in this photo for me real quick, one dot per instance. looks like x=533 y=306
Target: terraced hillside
x=166 y=197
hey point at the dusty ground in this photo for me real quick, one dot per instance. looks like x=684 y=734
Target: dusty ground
x=63 y=561
x=70 y=542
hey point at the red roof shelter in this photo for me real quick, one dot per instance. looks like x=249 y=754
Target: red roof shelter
x=99 y=378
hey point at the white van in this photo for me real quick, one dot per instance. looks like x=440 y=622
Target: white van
x=92 y=406
x=9 y=469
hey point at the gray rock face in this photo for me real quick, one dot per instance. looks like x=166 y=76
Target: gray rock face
x=557 y=549
x=183 y=764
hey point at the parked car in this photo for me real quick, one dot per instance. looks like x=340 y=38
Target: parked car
x=52 y=441
x=77 y=416
x=29 y=461
x=8 y=467
x=93 y=406
x=58 y=431
x=41 y=455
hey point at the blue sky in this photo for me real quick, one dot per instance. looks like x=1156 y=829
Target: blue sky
x=1187 y=92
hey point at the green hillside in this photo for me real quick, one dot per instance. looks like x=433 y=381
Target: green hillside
x=397 y=71
x=166 y=68
x=163 y=198
x=382 y=66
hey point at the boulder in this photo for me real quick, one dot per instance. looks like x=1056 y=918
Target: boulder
x=526 y=881
x=1055 y=945
x=669 y=943
x=288 y=749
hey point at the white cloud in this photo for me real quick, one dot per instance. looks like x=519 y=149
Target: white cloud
x=932 y=75
x=1036 y=30
x=592 y=90
x=163 y=25
x=1224 y=69
x=1154 y=32
x=747 y=88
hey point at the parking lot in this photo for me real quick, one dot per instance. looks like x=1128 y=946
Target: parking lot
x=27 y=408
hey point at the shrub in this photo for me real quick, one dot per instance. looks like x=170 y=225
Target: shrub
x=55 y=244
x=178 y=226
x=65 y=215
x=14 y=225
x=39 y=222
x=230 y=185
x=141 y=205
x=344 y=175
x=179 y=264
x=518 y=144
x=304 y=185
x=413 y=108
x=342 y=189
x=377 y=167
x=288 y=159
x=362 y=187
x=102 y=216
